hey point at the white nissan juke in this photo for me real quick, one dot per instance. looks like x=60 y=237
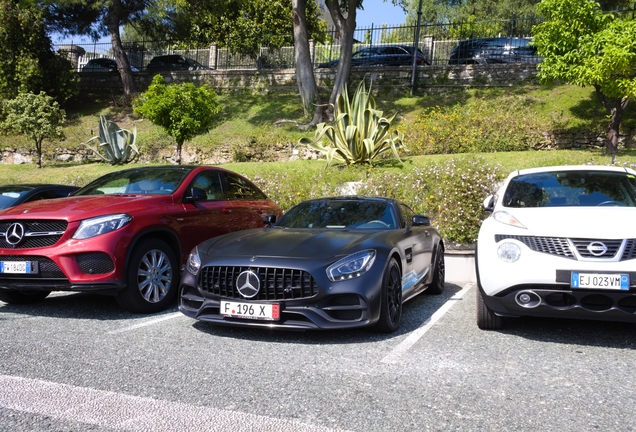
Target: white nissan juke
x=560 y=242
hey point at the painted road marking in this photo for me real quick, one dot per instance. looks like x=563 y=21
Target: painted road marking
x=147 y=323
x=394 y=356
x=131 y=413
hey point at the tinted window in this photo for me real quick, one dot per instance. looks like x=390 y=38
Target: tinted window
x=10 y=194
x=339 y=214
x=210 y=182
x=407 y=215
x=571 y=188
x=239 y=188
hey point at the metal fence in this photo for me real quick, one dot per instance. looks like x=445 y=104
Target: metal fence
x=435 y=41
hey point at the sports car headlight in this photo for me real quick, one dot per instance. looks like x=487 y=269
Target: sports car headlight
x=508 y=219
x=508 y=252
x=101 y=225
x=352 y=266
x=194 y=261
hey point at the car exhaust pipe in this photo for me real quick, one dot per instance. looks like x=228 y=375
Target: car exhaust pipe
x=528 y=299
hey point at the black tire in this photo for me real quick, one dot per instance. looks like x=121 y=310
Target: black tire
x=486 y=318
x=22 y=297
x=391 y=308
x=152 y=278
x=439 y=277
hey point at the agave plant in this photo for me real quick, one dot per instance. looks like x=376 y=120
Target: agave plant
x=359 y=132
x=117 y=144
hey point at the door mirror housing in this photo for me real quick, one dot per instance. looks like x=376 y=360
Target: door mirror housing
x=419 y=220
x=195 y=195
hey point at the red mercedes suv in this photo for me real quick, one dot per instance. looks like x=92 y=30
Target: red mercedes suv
x=127 y=233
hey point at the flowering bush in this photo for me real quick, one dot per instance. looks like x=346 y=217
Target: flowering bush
x=450 y=192
x=457 y=190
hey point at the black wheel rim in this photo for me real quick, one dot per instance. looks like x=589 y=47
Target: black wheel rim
x=441 y=270
x=394 y=295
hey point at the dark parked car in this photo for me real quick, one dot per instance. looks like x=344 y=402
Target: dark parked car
x=494 y=50
x=126 y=233
x=382 y=55
x=12 y=195
x=103 y=65
x=328 y=263
x=174 y=62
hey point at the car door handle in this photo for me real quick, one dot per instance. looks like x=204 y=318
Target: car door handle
x=226 y=210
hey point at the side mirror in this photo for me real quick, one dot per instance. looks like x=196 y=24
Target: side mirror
x=269 y=220
x=194 y=195
x=419 y=220
x=489 y=203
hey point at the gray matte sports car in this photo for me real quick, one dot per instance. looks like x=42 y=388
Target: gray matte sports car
x=327 y=263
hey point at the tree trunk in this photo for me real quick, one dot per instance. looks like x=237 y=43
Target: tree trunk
x=307 y=87
x=123 y=65
x=38 y=152
x=345 y=28
x=616 y=108
x=179 y=147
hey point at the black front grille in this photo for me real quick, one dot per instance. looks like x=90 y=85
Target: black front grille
x=275 y=283
x=47 y=269
x=37 y=233
x=95 y=263
x=550 y=245
x=630 y=250
x=612 y=247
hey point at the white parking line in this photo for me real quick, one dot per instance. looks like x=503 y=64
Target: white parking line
x=147 y=323
x=394 y=356
x=131 y=413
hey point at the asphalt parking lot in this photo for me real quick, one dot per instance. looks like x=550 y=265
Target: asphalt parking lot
x=77 y=362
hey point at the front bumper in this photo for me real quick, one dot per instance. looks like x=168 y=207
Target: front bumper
x=340 y=305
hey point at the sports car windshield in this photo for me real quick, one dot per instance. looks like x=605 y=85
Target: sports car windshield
x=10 y=194
x=161 y=181
x=340 y=214
x=571 y=189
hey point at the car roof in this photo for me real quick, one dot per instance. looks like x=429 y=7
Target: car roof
x=574 y=168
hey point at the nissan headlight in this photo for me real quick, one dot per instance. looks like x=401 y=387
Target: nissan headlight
x=508 y=252
x=194 y=261
x=508 y=219
x=352 y=266
x=101 y=225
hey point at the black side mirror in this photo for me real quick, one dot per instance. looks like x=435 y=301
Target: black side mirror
x=489 y=203
x=194 y=195
x=269 y=220
x=419 y=220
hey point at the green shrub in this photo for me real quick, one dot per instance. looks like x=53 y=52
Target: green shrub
x=477 y=127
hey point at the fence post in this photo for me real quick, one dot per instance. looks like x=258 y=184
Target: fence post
x=416 y=45
x=212 y=57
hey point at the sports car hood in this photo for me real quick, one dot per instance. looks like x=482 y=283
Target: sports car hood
x=83 y=207
x=577 y=222
x=290 y=243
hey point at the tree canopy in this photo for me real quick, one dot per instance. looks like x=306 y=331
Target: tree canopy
x=582 y=45
x=27 y=60
x=182 y=110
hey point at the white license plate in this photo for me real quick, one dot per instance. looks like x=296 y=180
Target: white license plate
x=254 y=311
x=615 y=281
x=15 y=267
